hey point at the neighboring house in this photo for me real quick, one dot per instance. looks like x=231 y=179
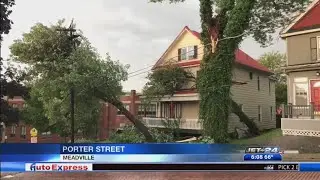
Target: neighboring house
x=111 y=119
x=253 y=88
x=302 y=38
x=132 y=102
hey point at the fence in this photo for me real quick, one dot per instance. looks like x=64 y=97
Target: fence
x=301 y=111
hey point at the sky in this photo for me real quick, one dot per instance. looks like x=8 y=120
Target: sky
x=134 y=32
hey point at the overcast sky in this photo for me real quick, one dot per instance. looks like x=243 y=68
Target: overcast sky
x=134 y=32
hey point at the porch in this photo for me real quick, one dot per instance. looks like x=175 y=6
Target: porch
x=186 y=124
x=301 y=120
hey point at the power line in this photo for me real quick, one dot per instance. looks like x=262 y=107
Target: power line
x=226 y=38
x=173 y=58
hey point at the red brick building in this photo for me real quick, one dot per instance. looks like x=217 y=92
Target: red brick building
x=111 y=120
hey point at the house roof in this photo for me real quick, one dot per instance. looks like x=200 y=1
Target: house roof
x=241 y=57
x=306 y=21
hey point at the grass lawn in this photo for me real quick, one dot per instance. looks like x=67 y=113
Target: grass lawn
x=263 y=138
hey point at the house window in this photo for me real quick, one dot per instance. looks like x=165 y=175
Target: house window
x=183 y=53
x=13 y=131
x=251 y=75
x=269 y=87
x=141 y=110
x=187 y=53
x=318 y=48
x=46 y=133
x=14 y=105
x=125 y=106
x=151 y=110
x=259 y=113
x=23 y=131
x=258 y=79
x=271 y=113
x=301 y=93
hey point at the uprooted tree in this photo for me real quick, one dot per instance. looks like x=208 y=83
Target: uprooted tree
x=232 y=20
x=54 y=66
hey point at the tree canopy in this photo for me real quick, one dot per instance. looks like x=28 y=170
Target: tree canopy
x=55 y=67
x=166 y=80
x=5 y=21
x=275 y=61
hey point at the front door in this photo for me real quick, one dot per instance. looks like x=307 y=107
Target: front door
x=315 y=94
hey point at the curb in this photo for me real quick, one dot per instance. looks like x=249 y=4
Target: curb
x=7 y=177
x=291 y=152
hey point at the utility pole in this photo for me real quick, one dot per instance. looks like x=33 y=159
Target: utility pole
x=72 y=37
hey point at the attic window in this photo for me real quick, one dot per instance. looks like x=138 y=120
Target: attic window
x=188 y=53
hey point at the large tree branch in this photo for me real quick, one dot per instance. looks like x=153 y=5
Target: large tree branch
x=252 y=127
x=136 y=122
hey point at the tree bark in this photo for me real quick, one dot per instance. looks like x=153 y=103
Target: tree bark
x=252 y=127
x=136 y=122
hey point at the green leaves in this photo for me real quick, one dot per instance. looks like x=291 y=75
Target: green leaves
x=269 y=16
x=5 y=11
x=55 y=67
x=275 y=61
x=167 y=80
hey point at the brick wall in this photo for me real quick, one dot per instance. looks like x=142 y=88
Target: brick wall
x=109 y=121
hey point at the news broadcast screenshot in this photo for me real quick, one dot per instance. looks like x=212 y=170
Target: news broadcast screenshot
x=160 y=89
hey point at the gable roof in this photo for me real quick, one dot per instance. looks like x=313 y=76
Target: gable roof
x=242 y=58
x=307 y=21
x=186 y=28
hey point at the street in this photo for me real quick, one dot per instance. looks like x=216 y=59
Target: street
x=166 y=176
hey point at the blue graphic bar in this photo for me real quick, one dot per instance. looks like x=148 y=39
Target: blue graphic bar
x=127 y=158
x=310 y=167
x=262 y=157
x=177 y=148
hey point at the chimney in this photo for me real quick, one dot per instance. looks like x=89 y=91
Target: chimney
x=133 y=107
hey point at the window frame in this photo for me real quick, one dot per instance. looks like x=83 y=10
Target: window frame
x=141 y=110
x=184 y=56
x=295 y=92
x=151 y=110
x=318 y=47
x=13 y=130
x=270 y=86
x=23 y=131
x=259 y=113
x=258 y=82
x=250 y=75
x=190 y=49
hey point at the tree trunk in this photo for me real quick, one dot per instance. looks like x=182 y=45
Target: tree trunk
x=252 y=127
x=3 y=132
x=136 y=122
